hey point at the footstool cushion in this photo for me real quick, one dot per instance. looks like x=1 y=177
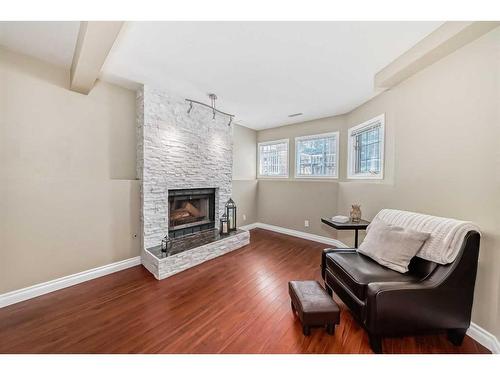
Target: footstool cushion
x=313 y=305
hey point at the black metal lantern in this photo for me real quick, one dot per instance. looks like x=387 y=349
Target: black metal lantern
x=166 y=244
x=231 y=214
x=224 y=226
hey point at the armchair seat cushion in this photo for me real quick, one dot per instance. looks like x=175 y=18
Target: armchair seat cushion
x=356 y=271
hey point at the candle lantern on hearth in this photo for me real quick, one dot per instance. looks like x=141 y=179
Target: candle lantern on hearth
x=224 y=226
x=231 y=214
x=166 y=244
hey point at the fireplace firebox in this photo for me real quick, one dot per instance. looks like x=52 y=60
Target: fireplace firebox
x=190 y=211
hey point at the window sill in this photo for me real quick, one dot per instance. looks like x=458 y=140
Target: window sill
x=373 y=181
x=272 y=177
x=302 y=180
x=316 y=177
x=366 y=177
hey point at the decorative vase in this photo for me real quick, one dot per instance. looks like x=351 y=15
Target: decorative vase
x=355 y=214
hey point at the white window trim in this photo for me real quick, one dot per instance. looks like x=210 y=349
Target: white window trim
x=287 y=141
x=351 y=158
x=314 y=136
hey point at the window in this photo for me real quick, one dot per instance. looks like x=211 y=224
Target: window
x=273 y=158
x=316 y=156
x=366 y=149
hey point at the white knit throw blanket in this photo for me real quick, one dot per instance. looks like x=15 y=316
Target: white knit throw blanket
x=446 y=235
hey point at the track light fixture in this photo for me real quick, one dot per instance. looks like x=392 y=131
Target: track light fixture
x=213 y=98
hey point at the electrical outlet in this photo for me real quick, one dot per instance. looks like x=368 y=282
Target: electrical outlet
x=306 y=223
x=244 y=217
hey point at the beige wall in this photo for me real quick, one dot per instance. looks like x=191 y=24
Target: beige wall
x=446 y=124
x=245 y=197
x=289 y=202
x=442 y=157
x=244 y=153
x=69 y=199
x=244 y=169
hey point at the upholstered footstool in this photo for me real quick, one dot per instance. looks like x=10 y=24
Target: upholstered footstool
x=313 y=306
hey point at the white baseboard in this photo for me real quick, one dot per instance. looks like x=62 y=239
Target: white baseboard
x=249 y=226
x=297 y=233
x=64 y=282
x=485 y=338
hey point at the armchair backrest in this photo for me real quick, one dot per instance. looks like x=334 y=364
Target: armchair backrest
x=462 y=270
x=446 y=234
x=461 y=273
x=421 y=267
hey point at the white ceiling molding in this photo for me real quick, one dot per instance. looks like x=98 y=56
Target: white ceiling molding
x=440 y=43
x=95 y=40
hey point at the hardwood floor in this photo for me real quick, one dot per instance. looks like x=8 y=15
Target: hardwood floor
x=237 y=303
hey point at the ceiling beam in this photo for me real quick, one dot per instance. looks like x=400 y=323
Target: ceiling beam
x=444 y=40
x=94 y=42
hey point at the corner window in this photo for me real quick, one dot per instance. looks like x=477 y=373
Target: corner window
x=366 y=150
x=316 y=156
x=273 y=158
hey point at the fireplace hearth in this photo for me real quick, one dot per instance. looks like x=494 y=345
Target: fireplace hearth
x=190 y=211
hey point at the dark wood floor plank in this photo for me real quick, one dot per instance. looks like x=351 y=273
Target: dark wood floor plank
x=237 y=303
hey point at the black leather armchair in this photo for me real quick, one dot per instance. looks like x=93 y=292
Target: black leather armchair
x=428 y=298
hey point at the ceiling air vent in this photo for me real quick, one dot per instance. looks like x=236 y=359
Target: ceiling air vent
x=295 y=114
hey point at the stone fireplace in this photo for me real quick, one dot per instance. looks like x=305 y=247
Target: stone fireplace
x=190 y=211
x=184 y=162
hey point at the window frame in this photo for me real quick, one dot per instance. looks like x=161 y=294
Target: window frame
x=316 y=136
x=265 y=143
x=351 y=156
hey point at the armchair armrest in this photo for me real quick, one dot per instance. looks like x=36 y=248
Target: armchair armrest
x=406 y=306
x=327 y=251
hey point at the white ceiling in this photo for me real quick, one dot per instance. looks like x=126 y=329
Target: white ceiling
x=53 y=42
x=264 y=71
x=261 y=71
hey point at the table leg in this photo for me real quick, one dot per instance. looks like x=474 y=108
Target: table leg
x=356 y=238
